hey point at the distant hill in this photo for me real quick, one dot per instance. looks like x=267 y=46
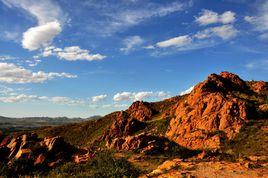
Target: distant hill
x=26 y=123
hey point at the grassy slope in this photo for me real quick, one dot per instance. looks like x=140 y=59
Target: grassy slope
x=80 y=134
x=252 y=140
x=253 y=137
x=85 y=133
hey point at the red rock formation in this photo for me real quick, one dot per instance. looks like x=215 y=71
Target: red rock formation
x=49 y=151
x=143 y=143
x=259 y=86
x=140 y=110
x=123 y=125
x=235 y=81
x=209 y=113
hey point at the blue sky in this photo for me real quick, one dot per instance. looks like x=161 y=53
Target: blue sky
x=80 y=58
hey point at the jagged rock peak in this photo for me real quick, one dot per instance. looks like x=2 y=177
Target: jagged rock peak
x=224 y=82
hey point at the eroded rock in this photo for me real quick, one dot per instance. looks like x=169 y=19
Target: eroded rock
x=49 y=151
x=141 y=110
x=210 y=113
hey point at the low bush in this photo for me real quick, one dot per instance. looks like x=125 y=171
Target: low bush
x=102 y=165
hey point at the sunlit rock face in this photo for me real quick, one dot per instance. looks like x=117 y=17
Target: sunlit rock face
x=210 y=113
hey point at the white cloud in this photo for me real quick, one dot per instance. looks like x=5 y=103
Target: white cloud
x=142 y=95
x=10 y=35
x=249 y=19
x=50 y=19
x=138 y=96
x=187 y=91
x=149 y=47
x=209 y=17
x=124 y=96
x=71 y=53
x=264 y=36
x=10 y=73
x=14 y=95
x=7 y=57
x=258 y=65
x=66 y=100
x=40 y=36
x=34 y=62
x=115 y=105
x=19 y=98
x=131 y=43
x=44 y=11
x=121 y=15
x=201 y=39
x=177 y=42
x=225 y=32
x=98 y=98
x=260 y=20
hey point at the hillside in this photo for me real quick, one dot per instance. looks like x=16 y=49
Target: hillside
x=223 y=121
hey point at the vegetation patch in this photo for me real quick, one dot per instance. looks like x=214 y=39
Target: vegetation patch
x=252 y=140
x=80 y=134
x=104 y=164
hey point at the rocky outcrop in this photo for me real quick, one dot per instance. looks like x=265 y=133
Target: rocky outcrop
x=47 y=151
x=259 y=86
x=143 y=143
x=233 y=81
x=123 y=125
x=141 y=111
x=123 y=135
x=210 y=113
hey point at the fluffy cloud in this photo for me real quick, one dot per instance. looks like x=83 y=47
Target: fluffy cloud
x=10 y=73
x=133 y=96
x=71 y=53
x=98 y=98
x=187 y=91
x=131 y=43
x=124 y=96
x=177 y=42
x=49 y=17
x=209 y=17
x=40 y=36
x=225 y=32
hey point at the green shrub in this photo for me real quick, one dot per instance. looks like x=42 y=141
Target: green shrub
x=102 y=165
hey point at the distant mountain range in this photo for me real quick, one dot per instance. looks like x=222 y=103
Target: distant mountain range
x=26 y=123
